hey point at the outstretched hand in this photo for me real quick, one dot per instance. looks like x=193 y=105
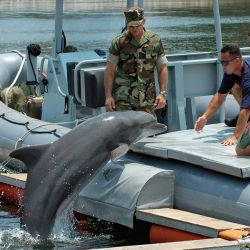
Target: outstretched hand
x=160 y=102
x=200 y=123
x=110 y=104
x=230 y=141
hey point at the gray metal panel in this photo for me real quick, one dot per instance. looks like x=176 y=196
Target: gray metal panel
x=117 y=190
x=199 y=79
x=187 y=79
x=204 y=149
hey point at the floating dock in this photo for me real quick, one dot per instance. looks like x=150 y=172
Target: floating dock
x=206 y=232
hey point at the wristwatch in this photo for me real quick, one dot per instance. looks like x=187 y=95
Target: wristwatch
x=164 y=93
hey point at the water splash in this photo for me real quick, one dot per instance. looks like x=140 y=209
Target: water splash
x=16 y=239
x=65 y=234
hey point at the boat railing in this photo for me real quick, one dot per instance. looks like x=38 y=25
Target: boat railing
x=187 y=80
x=52 y=68
x=191 y=83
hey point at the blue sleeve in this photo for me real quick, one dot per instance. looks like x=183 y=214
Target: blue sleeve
x=245 y=93
x=226 y=84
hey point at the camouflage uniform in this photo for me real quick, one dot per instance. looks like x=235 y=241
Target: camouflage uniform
x=134 y=86
x=17 y=97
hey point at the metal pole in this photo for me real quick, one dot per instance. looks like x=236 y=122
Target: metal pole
x=130 y=3
x=218 y=36
x=141 y=3
x=57 y=42
x=217 y=26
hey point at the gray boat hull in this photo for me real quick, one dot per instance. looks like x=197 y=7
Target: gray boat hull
x=204 y=191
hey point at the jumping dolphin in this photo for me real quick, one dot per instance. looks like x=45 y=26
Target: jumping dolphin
x=57 y=172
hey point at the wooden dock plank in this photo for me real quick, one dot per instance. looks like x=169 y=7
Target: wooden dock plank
x=187 y=221
x=206 y=244
x=17 y=180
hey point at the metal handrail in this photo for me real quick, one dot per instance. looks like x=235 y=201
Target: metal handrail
x=50 y=61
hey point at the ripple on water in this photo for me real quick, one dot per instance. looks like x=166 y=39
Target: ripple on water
x=13 y=237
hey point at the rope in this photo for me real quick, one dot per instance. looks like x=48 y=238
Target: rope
x=21 y=140
x=3 y=166
x=5 y=169
x=16 y=77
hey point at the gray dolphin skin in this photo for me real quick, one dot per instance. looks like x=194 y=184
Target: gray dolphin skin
x=58 y=171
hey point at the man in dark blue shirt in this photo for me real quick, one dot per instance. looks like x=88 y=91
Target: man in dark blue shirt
x=236 y=79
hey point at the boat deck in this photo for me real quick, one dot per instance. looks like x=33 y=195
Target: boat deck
x=202 y=149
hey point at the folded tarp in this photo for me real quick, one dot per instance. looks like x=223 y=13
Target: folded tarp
x=120 y=188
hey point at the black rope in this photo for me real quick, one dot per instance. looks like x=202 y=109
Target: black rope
x=53 y=131
x=14 y=122
x=57 y=135
x=39 y=132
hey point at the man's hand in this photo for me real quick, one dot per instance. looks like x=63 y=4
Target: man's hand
x=160 y=101
x=200 y=123
x=110 y=104
x=230 y=141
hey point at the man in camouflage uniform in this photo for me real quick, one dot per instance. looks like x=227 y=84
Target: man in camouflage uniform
x=129 y=75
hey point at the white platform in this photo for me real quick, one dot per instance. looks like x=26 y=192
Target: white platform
x=202 y=149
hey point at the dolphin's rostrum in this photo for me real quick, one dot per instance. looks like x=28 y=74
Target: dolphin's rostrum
x=58 y=171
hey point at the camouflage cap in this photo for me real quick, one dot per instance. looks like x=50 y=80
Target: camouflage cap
x=134 y=14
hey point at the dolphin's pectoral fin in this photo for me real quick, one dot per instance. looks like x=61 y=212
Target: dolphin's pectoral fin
x=29 y=155
x=121 y=150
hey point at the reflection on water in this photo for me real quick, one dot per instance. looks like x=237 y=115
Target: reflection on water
x=182 y=25
x=100 y=5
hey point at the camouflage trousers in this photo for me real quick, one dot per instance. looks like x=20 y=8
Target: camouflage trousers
x=17 y=96
x=122 y=106
x=244 y=141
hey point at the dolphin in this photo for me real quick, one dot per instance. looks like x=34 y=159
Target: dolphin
x=58 y=171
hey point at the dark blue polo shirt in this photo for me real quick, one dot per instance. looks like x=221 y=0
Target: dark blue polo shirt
x=243 y=81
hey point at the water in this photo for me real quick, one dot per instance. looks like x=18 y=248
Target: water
x=184 y=26
x=89 y=234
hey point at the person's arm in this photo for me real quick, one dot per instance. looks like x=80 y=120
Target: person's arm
x=109 y=76
x=239 y=129
x=237 y=93
x=160 y=100
x=213 y=106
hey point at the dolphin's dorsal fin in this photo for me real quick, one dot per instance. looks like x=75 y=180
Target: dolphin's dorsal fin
x=29 y=155
x=121 y=150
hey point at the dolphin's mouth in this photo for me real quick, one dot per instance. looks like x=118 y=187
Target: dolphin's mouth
x=155 y=129
x=160 y=127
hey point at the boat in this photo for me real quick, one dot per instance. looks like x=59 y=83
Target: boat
x=209 y=179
